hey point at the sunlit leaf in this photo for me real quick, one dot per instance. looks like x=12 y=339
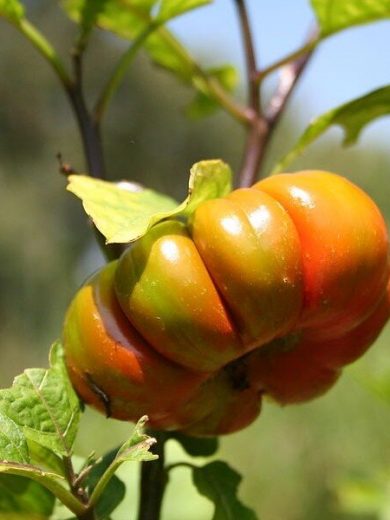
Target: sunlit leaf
x=352 y=116
x=127 y=18
x=334 y=15
x=120 y=214
x=123 y=214
x=208 y=180
x=172 y=8
x=219 y=483
x=44 y=405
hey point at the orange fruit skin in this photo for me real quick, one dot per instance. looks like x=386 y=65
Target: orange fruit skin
x=344 y=247
x=303 y=366
x=270 y=290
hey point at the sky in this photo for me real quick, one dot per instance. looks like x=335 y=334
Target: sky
x=345 y=66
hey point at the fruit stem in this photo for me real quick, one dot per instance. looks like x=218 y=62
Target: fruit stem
x=153 y=481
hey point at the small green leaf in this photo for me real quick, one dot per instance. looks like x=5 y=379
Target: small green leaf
x=208 y=180
x=196 y=446
x=115 y=490
x=25 y=497
x=334 y=16
x=44 y=405
x=135 y=449
x=172 y=8
x=12 y=10
x=352 y=116
x=13 y=445
x=124 y=215
x=219 y=483
x=204 y=104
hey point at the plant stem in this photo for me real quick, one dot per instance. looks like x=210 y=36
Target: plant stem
x=119 y=72
x=45 y=49
x=154 y=479
x=258 y=126
x=308 y=47
x=78 y=491
x=289 y=76
x=263 y=124
x=90 y=133
x=88 y=515
x=250 y=55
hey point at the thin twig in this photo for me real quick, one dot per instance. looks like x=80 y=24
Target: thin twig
x=119 y=72
x=289 y=76
x=258 y=128
x=304 y=50
x=250 y=55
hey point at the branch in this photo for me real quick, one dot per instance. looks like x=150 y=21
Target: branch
x=289 y=76
x=251 y=65
x=258 y=126
x=307 y=48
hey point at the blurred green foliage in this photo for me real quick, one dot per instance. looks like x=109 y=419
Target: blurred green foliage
x=293 y=459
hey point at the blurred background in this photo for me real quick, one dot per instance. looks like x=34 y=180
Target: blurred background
x=311 y=462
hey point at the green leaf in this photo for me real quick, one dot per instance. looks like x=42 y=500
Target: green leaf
x=25 y=497
x=129 y=18
x=115 y=490
x=204 y=105
x=50 y=481
x=135 y=449
x=12 y=10
x=352 y=116
x=13 y=445
x=45 y=458
x=120 y=214
x=219 y=483
x=124 y=215
x=196 y=446
x=208 y=180
x=44 y=404
x=334 y=15
x=172 y=8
